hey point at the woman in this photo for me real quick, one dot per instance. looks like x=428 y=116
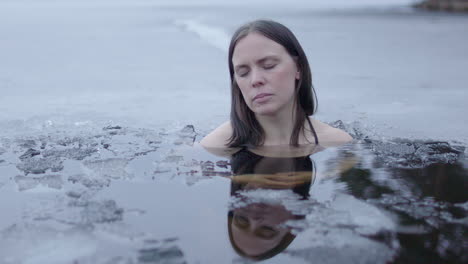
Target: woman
x=271 y=92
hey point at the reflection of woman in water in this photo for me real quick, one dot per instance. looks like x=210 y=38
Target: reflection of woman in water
x=256 y=230
x=272 y=97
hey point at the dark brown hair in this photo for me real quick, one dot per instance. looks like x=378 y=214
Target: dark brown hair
x=246 y=129
x=244 y=162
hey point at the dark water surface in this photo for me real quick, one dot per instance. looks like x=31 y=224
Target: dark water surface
x=123 y=195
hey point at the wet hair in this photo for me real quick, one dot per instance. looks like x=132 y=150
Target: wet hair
x=247 y=131
x=244 y=162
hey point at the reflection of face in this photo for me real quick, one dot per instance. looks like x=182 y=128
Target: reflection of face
x=255 y=228
x=265 y=73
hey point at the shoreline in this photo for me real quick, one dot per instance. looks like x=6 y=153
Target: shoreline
x=443 y=5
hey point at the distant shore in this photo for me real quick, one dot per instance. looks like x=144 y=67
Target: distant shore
x=444 y=5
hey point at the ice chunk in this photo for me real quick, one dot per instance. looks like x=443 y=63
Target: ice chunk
x=101 y=212
x=40 y=165
x=403 y=153
x=161 y=252
x=51 y=181
x=29 y=154
x=186 y=136
x=112 y=168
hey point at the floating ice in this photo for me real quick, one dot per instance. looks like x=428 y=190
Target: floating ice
x=186 y=136
x=161 y=251
x=35 y=244
x=415 y=154
x=355 y=250
x=101 y=212
x=40 y=165
x=109 y=168
x=404 y=153
x=27 y=182
x=89 y=182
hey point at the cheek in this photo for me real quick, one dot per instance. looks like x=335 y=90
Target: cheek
x=286 y=81
x=242 y=86
x=243 y=91
x=286 y=75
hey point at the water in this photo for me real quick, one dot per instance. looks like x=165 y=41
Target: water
x=103 y=103
x=125 y=195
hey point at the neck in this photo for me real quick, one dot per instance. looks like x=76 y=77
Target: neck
x=277 y=128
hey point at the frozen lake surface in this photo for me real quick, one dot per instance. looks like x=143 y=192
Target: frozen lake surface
x=399 y=72
x=102 y=103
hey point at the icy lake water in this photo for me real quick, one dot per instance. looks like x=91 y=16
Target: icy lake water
x=102 y=104
x=122 y=195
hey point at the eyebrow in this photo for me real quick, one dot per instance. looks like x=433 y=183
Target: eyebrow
x=260 y=61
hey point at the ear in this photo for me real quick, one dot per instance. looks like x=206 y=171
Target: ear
x=298 y=72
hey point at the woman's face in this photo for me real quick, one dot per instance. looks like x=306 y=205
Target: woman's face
x=265 y=73
x=256 y=228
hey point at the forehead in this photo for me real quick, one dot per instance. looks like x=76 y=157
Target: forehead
x=255 y=46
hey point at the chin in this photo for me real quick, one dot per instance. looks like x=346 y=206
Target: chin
x=265 y=110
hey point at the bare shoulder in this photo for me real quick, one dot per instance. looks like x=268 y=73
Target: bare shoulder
x=219 y=137
x=328 y=135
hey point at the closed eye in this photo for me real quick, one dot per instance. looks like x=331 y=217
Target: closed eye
x=269 y=63
x=266 y=232
x=269 y=66
x=241 y=221
x=242 y=73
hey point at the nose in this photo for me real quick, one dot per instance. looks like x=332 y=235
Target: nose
x=257 y=79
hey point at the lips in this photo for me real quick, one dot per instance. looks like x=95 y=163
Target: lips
x=262 y=97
